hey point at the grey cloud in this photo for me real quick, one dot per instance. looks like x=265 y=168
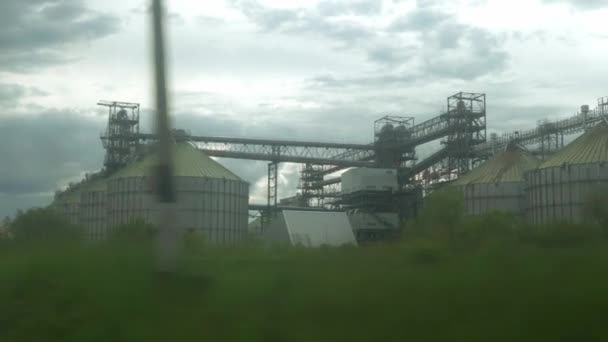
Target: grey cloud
x=27 y=62
x=419 y=20
x=267 y=18
x=39 y=150
x=435 y=44
x=478 y=52
x=345 y=7
x=11 y=94
x=34 y=33
x=314 y=22
x=448 y=49
x=364 y=81
x=391 y=54
x=9 y=204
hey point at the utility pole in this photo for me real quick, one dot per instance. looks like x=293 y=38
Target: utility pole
x=168 y=235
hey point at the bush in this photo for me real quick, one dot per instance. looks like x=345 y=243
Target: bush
x=443 y=211
x=137 y=230
x=426 y=251
x=194 y=241
x=43 y=224
x=560 y=235
x=595 y=208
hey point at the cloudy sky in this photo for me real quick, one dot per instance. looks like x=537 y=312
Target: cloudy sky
x=302 y=69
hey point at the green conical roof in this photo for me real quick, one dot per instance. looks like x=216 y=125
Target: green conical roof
x=188 y=162
x=507 y=166
x=72 y=194
x=591 y=147
x=69 y=196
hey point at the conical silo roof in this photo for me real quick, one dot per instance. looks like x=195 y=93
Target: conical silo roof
x=591 y=147
x=188 y=162
x=72 y=193
x=507 y=166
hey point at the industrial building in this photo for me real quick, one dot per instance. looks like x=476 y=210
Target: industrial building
x=210 y=198
x=67 y=203
x=92 y=209
x=499 y=183
x=383 y=185
x=371 y=197
x=562 y=185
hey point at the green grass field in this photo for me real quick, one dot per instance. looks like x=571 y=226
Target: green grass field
x=426 y=290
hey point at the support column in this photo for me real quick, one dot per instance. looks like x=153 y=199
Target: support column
x=272 y=190
x=273 y=174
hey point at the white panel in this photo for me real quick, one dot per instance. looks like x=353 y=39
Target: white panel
x=313 y=229
x=369 y=179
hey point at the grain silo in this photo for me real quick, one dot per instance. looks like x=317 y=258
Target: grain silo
x=93 y=210
x=210 y=198
x=560 y=188
x=498 y=184
x=67 y=203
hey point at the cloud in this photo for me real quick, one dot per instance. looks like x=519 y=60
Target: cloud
x=27 y=62
x=448 y=48
x=426 y=42
x=35 y=33
x=11 y=94
x=39 y=151
x=322 y=21
x=582 y=4
x=420 y=19
x=349 y=7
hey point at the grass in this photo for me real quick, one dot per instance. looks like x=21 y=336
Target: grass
x=423 y=290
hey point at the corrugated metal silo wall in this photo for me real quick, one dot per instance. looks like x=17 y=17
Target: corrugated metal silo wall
x=505 y=196
x=559 y=194
x=69 y=209
x=217 y=208
x=93 y=214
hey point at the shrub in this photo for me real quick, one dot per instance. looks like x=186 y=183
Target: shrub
x=137 y=230
x=441 y=214
x=425 y=251
x=595 y=208
x=560 y=235
x=43 y=224
x=194 y=241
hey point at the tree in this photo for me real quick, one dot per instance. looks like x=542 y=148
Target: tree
x=4 y=228
x=6 y=222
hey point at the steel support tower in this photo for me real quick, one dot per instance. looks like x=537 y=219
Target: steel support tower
x=467 y=115
x=121 y=137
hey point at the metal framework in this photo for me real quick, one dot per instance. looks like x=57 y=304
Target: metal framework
x=548 y=135
x=467 y=114
x=120 y=137
x=390 y=133
x=462 y=127
x=289 y=151
x=273 y=176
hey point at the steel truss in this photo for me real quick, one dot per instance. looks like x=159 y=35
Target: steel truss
x=548 y=134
